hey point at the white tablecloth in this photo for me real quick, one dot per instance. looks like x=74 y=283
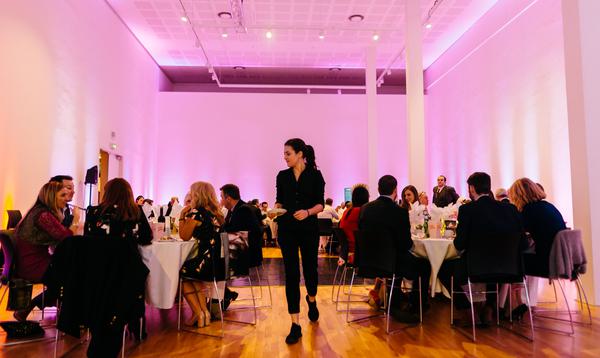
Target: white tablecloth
x=436 y=250
x=164 y=260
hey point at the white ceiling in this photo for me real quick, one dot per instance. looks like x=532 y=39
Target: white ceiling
x=296 y=25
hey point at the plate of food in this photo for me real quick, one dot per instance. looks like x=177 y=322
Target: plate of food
x=276 y=212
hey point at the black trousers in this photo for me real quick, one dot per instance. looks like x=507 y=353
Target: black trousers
x=106 y=342
x=412 y=268
x=308 y=243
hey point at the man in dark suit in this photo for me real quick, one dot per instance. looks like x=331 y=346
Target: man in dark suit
x=478 y=220
x=385 y=216
x=443 y=195
x=67 y=182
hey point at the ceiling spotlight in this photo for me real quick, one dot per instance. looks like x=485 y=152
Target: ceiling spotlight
x=375 y=37
x=356 y=18
x=184 y=19
x=321 y=35
x=269 y=34
x=224 y=34
x=224 y=15
x=335 y=69
x=428 y=26
x=239 y=68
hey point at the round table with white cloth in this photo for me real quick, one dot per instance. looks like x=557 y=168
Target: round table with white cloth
x=436 y=251
x=164 y=259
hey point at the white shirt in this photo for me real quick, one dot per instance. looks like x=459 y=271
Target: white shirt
x=328 y=213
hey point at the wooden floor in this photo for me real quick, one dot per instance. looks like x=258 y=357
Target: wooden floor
x=333 y=337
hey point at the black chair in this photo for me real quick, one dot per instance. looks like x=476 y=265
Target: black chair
x=494 y=259
x=14 y=216
x=326 y=229
x=375 y=257
x=8 y=251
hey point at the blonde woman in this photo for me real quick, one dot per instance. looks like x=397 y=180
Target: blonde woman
x=40 y=228
x=201 y=220
x=542 y=221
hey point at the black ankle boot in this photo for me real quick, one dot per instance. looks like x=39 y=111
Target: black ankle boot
x=295 y=334
x=313 y=311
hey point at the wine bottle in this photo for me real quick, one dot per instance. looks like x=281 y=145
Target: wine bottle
x=161 y=217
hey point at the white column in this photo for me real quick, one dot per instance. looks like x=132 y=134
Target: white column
x=582 y=56
x=371 y=89
x=415 y=101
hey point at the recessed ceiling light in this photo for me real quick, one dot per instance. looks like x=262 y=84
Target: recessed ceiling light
x=375 y=37
x=321 y=35
x=239 y=68
x=269 y=34
x=224 y=15
x=224 y=34
x=428 y=26
x=335 y=69
x=184 y=19
x=356 y=18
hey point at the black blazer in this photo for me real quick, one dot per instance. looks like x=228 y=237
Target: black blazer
x=543 y=221
x=243 y=218
x=383 y=216
x=445 y=197
x=484 y=217
x=306 y=192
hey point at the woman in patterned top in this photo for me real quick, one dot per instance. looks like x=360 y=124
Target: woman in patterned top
x=201 y=220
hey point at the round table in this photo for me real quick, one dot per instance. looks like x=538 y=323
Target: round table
x=436 y=251
x=164 y=259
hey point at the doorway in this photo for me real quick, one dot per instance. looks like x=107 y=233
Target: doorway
x=102 y=172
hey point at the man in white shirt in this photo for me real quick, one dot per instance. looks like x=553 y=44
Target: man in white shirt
x=327 y=213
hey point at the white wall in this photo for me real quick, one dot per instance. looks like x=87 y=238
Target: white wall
x=70 y=74
x=238 y=138
x=496 y=102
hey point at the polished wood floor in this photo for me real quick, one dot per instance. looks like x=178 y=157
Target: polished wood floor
x=333 y=337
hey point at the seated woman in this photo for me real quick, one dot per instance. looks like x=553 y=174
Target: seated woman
x=40 y=229
x=201 y=220
x=349 y=222
x=542 y=221
x=118 y=216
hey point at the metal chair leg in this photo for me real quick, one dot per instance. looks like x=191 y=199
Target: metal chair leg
x=510 y=302
x=528 y=305
x=179 y=305
x=452 y=300
x=497 y=305
x=348 y=301
x=568 y=308
x=389 y=306
x=341 y=286
x=578 y=283
x=472 y=309
x=123 y=342
x=420 y=302
x=337 y=269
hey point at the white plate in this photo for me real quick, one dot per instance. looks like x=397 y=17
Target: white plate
x=277 y=211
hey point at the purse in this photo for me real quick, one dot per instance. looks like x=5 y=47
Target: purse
x=19 y=294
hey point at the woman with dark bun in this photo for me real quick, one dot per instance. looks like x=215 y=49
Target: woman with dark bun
x=300 y=191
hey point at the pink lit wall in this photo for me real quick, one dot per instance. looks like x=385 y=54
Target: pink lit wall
x=496 y=102
x=71 y=74
x=238 y=138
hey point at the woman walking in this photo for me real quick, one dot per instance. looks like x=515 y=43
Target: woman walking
x=300 y=190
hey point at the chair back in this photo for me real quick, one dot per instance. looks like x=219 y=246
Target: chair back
x=375 y=254
x=8 y=251
x=14 y=216
x=325 y=227
x=495 y=258
x=567 y=256
x=225 y=251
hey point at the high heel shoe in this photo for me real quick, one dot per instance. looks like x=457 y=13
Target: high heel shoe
x=518 y=312
x=192 y=321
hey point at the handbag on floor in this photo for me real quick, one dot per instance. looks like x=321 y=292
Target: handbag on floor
x=19 y=294
x=26 y=329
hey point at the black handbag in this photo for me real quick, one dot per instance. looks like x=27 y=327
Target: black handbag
x=19 y=294
x=26 y=329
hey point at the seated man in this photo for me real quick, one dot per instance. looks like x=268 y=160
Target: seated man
x=480 y=218
x=385 y=215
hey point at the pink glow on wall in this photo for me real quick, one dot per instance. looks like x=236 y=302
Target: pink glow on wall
x=71 y=74
x=238 y=138
x=502 y=109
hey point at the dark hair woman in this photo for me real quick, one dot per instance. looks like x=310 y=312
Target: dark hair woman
x=300 y=190
x=119 y=217
x=349 y=222
x=409 y=196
